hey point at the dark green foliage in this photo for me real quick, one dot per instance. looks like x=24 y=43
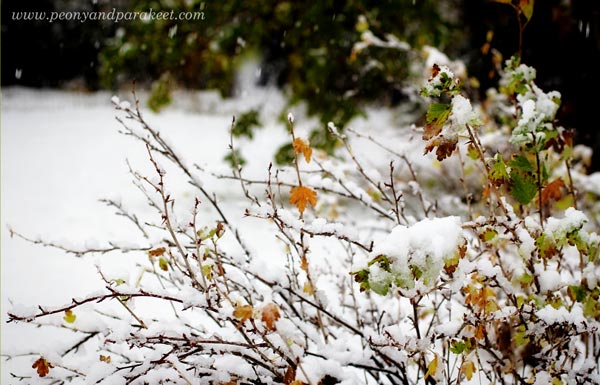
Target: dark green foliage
x=306 y=46
x=245 y=123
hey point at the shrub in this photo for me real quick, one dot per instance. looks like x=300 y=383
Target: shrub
x=482 y=268
x=309 y=49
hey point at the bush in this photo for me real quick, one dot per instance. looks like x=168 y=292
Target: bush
x=483 y=268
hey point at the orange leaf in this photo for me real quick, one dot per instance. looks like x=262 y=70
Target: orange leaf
x=301 y=147
x=157 y=252
x=270 y=315
x=552 y=191
x=302 y=195
x=43 y=367
x=304 y=264
x=243 y=313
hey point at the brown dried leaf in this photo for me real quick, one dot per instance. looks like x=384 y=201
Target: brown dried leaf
x=157 y=252
x=269 y=315
x=304 y=264
x=43 y=367
x=105 y=359
x=445 y=147
x=289 y=376
x=302 y=195
x=552 y=191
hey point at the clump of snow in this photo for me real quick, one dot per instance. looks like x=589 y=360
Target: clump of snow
x=573 y=220
x=423 y=246
x=549 y=281
x=462 y=112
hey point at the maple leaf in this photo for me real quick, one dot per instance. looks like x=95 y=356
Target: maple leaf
x=243 y=313
x=43 y=367
x=69 y=316
x=301 y=147
x=269 y=315
x=552 y=191
x=302 y=195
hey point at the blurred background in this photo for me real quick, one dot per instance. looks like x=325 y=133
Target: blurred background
x=306 y=49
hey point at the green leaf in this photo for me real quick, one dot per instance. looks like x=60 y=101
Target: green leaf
x=362 y=277
x=577 y=293
x=523 y=188
x=489 y=234
x=522 y=163
x=163 y=264
x=438 y=113
x=521 y=338
x=498 y=171
x=526 y=7
x=245 y=123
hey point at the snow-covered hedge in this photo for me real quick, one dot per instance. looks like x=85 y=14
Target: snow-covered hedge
x=476 y=265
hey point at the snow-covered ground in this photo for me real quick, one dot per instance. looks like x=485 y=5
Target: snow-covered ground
x=61 y=153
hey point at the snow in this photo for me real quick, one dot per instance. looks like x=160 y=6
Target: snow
x=424 y=245
x=62 y=151
x=549 y=281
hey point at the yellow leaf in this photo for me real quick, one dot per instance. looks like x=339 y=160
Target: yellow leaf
x=301 y=147
x=69 y=316
x=432 y=367
x=269 y=315
x=302 y=195
x=162 y=263
x=308 y=288
x=468 y=368
x=243 y=313
x=43 y=367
